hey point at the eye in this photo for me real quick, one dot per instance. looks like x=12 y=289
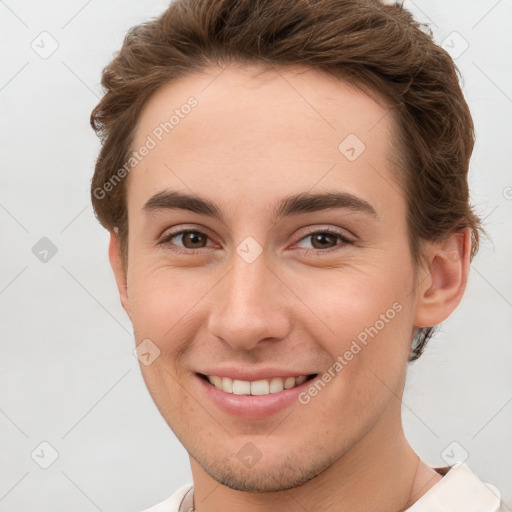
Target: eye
x=325 y=239
x=186 y=238
x=191 y=241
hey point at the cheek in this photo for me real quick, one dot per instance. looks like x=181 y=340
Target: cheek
x=355 y=303
x=366 y=319
x=366 y=371
x=160 y=299
x=163 y=311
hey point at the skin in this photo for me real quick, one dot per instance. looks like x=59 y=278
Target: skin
x=257 y=136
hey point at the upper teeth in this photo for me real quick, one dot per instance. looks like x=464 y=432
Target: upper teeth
x=257 y=387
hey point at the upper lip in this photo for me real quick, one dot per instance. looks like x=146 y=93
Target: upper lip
x=254 y=374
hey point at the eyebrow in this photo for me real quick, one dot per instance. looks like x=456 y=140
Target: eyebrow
x=304 y=202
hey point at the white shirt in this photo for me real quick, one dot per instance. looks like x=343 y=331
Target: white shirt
x=460 y=490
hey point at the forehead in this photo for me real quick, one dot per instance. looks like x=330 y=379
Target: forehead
x=279 y=129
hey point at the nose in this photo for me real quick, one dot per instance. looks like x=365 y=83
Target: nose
x=249 y=305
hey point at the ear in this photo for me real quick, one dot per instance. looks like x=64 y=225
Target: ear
x=443 y=279
x=114 y=254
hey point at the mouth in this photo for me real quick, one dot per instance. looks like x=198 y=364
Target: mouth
x=274 y=385
x=252 y=392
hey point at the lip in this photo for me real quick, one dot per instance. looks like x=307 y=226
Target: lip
x=254 y=374
x=250 y=406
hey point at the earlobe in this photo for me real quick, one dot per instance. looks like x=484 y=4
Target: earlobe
x=443 y=283
x=114 y=254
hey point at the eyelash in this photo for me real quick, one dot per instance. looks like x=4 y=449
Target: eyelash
x=345 y=241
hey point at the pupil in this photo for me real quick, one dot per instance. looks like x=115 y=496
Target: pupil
x=194 y=238
x=321 y=238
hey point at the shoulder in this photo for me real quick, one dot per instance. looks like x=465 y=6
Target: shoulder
x=171 y=504
x=460 y=490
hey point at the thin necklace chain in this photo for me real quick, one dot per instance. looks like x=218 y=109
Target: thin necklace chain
x=407 y=503
x=188 y=500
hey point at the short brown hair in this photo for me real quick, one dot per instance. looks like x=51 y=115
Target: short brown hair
x=379 y=48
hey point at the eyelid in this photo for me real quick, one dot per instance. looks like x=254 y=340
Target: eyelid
x=309 y=230
x=170 y=233
x=176 y=230
x=342 y=233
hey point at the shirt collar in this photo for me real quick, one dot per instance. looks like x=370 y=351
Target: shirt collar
x=460 y=490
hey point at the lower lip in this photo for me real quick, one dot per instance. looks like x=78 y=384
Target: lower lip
x=252 y=406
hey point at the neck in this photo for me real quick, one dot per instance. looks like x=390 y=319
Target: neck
x=381 y=473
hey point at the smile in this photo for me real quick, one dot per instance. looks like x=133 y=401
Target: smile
x=251 y=394
x=257 y=387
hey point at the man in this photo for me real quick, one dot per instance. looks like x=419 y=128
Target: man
x=285 y=184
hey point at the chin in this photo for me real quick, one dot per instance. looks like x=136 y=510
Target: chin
x=278 y=474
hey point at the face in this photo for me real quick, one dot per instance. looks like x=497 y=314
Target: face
x=290 y=259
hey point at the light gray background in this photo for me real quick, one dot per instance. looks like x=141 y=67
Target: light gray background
x=68 y=375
